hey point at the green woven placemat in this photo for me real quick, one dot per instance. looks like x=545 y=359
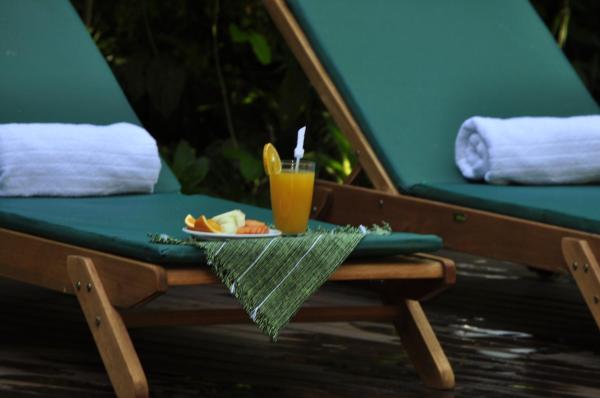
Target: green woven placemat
x=272 y=277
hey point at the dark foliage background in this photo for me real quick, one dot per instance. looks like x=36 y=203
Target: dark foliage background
x=213 y=81
x=576 y=26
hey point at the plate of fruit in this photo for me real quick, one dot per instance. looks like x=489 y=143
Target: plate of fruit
x=230 y=225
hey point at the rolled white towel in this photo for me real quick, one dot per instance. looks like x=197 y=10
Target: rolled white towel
x=530 y=150
x=54 y=159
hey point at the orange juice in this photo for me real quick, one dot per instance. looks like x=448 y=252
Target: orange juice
x=291 y=197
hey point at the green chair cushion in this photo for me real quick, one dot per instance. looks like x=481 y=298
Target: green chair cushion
x=574 y=207
x=121 y=224
x=51 y=71
x=413 y=71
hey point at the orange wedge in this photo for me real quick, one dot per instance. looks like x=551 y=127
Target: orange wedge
x=190 y=221
x=205 y=225
x=271 y=160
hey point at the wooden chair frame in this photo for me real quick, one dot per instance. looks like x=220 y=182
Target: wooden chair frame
x=463 y=229
x=109 y=286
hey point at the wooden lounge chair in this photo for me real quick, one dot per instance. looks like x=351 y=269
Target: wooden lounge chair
x=399 y=77
x=97 y=248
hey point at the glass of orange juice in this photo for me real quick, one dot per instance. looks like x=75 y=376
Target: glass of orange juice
x=291 y=195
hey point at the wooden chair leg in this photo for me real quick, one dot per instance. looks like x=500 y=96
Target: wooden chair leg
x=420 y=342
x=584 y=268
x=113 y=342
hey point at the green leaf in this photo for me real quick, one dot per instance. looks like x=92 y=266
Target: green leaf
x=339 y=139
x=251 y=168
x=251 y=97
x=231 y=152
x=195 y=173
x=347 y=166
x=183 y=157
x=259 y=43
x=261 y=48
x=237 y=35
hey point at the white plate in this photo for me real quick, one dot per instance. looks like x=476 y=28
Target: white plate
x=211 y=235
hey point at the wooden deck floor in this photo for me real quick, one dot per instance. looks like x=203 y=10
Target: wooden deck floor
x=506 y=331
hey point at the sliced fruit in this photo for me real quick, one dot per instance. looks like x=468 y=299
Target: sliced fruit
x=228 y=227
x=254 y=223
x=253 y=227
x=205 y=225
x=190 y=221
x=271 y=160
x=230 y=221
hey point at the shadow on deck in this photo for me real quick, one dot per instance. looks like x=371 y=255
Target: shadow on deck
x=506 y=331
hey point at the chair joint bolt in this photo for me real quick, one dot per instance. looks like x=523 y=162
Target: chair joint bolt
x=460 y=217
x=89 y=286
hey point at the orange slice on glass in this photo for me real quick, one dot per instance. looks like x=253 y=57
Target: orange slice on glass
x=205 y=225
x=271 y=160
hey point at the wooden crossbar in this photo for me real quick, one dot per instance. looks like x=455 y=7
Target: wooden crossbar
x=399 y=267
x=135 y=319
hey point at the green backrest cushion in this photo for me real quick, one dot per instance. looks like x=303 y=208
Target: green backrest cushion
x=413 y=71
x=51 y=71
x=121 y=224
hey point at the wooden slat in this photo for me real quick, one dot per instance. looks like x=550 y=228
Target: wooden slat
x=447 y=264
x=419 y=340
x=331 y=97
x=399 y=267
x=225 y=316
x=584 y=267
x=191 y=276
x=422 y=346
x=120 y=359
x=463 y=229
x=413 y=268
x=43 y=262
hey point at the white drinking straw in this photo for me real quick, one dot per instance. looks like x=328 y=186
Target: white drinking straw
x=299 y=150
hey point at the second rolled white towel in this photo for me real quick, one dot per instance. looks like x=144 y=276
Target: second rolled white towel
x=530 y=150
